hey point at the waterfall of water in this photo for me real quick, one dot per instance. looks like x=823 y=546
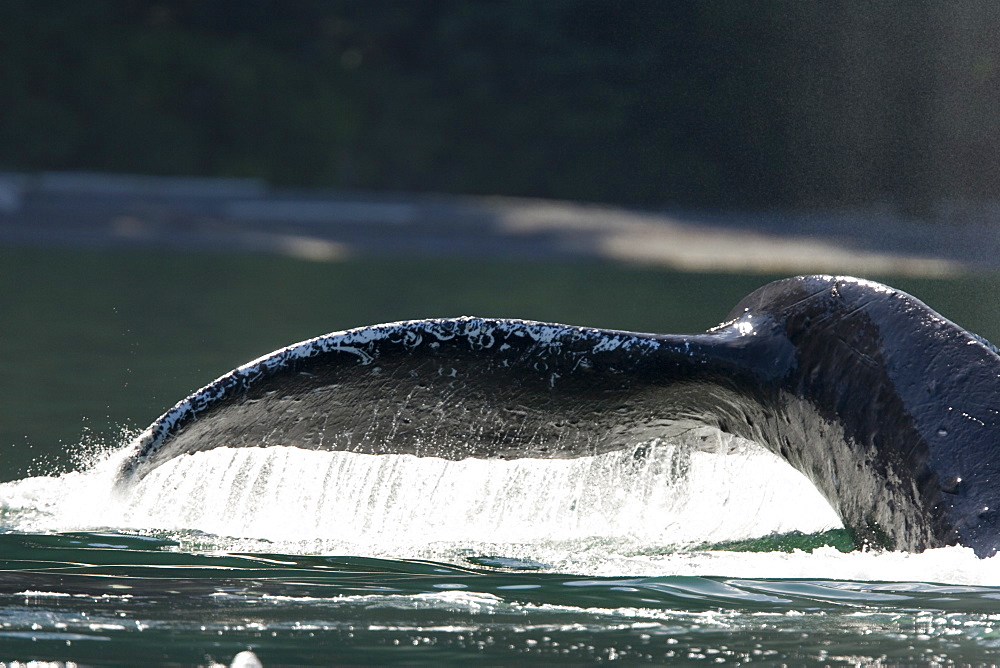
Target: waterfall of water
x=657 y=496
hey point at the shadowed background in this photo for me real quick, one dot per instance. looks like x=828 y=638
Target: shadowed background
x=746 y=105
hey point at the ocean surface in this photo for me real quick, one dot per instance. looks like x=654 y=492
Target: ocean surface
x=676 y=552
x=687 y=552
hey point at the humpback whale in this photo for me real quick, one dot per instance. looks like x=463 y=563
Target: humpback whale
x=890 y=409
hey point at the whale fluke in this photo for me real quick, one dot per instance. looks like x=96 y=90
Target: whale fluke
x=891 y=410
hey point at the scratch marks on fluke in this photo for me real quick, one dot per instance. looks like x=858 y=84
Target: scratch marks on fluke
x=861 y=387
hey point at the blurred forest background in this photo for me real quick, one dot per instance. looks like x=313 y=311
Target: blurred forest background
x=737 y=105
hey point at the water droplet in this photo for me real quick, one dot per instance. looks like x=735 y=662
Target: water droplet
x=950 y=485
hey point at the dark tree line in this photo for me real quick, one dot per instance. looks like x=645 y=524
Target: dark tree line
x=730 y=104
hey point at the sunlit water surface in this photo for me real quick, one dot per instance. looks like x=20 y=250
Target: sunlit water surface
x=318 y=557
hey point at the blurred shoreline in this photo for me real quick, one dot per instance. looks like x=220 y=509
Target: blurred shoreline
x=98 y=210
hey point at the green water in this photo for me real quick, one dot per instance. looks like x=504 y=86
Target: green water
x=116 y=599
x=94 y=341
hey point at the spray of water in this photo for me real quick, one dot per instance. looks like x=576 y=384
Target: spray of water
x=661 y=495
x=641 y=511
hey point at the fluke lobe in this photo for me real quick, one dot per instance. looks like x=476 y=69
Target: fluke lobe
x=891 y=410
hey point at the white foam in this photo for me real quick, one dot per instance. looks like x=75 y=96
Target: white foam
x=671 y=495
x=623 y=513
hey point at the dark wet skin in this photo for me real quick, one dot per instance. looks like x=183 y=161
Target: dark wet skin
x=891 y=410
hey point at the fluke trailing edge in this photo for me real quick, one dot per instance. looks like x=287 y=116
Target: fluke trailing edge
x=891 y=410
